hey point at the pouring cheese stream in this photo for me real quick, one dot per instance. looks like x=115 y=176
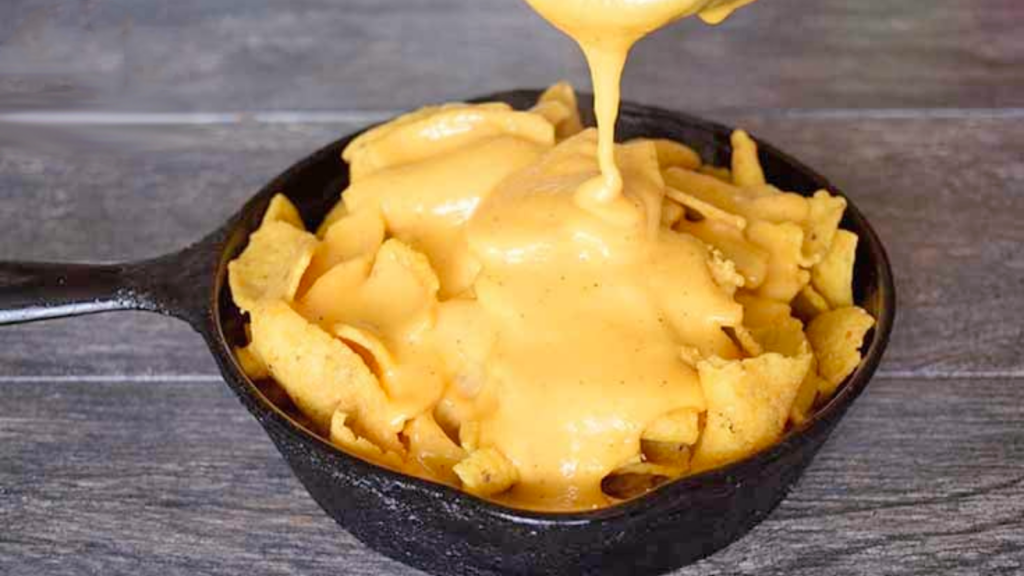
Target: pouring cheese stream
x=606 y=31
x=507 y=302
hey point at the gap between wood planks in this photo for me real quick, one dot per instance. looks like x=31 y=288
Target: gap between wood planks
x=79 y=118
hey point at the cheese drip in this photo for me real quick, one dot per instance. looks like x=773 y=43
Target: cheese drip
x=606 y=31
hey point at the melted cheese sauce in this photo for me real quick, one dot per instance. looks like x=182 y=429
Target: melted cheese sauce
x=589 y=317
x=525 y=314
x=606 y=31
x=563 y=303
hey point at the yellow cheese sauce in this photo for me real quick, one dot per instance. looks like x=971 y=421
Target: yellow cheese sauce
x=606 y=31
x=589 y=316
x=509 y=303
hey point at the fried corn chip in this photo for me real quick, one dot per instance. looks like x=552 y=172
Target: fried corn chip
x=450 y=413
x=339 y=211
x=785 y=277
x=568 y=123
x=272 y=265
x=408 y=275
x=706 y=210
x=433 y=449
x=759 y=312
x=748 y=402
x=809 y=303
x=826 y=211
x=671 y=213
x=439 y=129
x=803 y=404
x=318 y=303
x=382 y=316
x=690 y=355
x=746 y=167
x=469 y=436
x=777 y=206
x=369 y=346
x=745 y=340
x=486 y=472
x=321 y=374
x=723 y=174
x=720 y=194
x=281 y=209
x=723 y=271
x=251 y=363
x=554 y=112
x=836 y=337
x=751 y=260
x=343 y=437
x=680 y=426
x=354 y=236
x=765 y=190
x=401 y=290
x=749 y=203
x=785 y=337
x=672 y=154
x=833 y=276
x=674 y=454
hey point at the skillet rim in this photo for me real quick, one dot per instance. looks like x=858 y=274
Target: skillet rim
x=269 y=414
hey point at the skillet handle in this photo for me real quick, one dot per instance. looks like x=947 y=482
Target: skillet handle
x=32 y=291
x=177 y=285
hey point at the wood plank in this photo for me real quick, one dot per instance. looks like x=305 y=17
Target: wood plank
x=124 y=194
x=923 y=477
x=946 y=195
x=386 y=54
x=129 y=192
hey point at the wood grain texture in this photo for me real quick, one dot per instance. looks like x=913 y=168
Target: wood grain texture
x=125 y=194
x=385 y=54
x=947 y=196
x=121 y=452
x=923 y=476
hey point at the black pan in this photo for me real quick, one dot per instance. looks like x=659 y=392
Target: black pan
x=436 y=528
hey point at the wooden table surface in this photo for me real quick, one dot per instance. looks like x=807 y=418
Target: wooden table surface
x=128 y=129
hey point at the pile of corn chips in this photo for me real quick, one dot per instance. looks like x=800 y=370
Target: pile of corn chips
x=789 y=264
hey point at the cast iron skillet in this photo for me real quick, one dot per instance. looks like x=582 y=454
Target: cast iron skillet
x=432 y=527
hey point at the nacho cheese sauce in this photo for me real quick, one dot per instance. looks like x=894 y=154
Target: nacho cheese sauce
x=589 y=317
x=509 y=303
x=558 y=329
x=606 y=31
